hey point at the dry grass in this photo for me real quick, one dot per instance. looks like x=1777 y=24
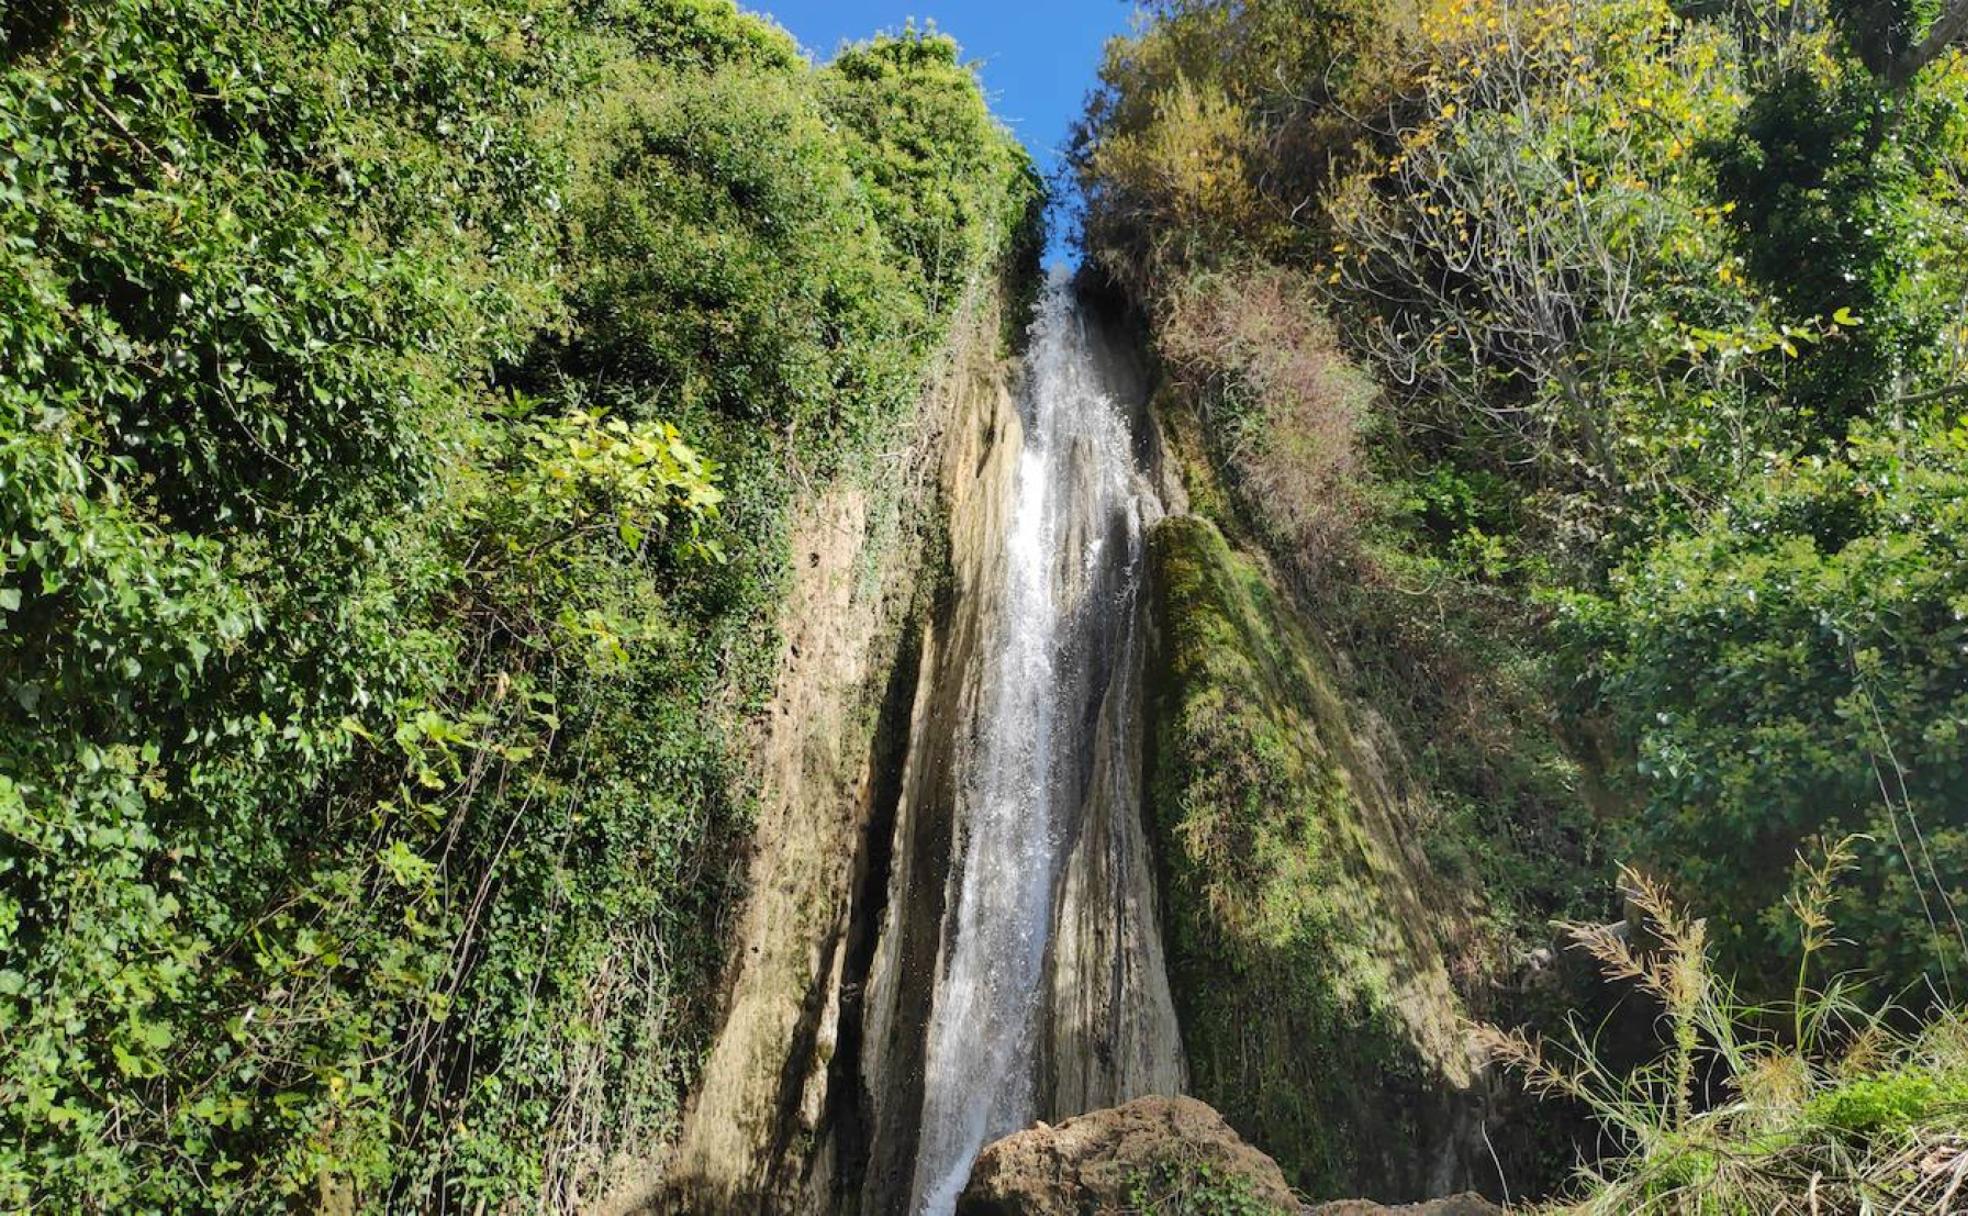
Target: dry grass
x=1288 y=404
x=1814 y=1107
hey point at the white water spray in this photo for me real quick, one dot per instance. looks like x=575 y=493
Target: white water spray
x=1072 y=573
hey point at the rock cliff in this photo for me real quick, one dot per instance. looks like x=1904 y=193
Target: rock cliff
x=1237 y=906
x=886 y=591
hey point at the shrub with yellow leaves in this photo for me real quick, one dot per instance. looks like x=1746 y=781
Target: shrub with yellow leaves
x=1527 y=259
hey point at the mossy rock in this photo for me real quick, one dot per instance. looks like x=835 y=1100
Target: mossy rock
x=1286 y=958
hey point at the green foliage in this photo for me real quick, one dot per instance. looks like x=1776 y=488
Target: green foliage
x=731 y=261
x=1796 y=667
x=1891 y=1104
x=1879 y=32
x=1178 y=1187
x=1215 y=121
x=744 y=258
x=587 y=471
x=698 y=34
x=946 y=189
x=1539 y=270
x=1844 y=197
x=393 y=462
x=235 y=318
x=1283 y=926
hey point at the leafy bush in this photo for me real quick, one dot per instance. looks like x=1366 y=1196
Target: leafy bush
x=730 y=260
x=1843 y=191
x=393 y=457
x=1539 y=273
x=946 y=188
x=1891 y=1104
x=251 y=270
x=1176 y=1187
x=701 y=34
x=1796 y=667
x=1184 y=176
x=1216 y=127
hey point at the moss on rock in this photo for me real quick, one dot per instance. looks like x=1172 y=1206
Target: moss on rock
x=1314 y=1008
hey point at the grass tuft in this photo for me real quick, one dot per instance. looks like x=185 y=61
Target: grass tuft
x=1809 y=1106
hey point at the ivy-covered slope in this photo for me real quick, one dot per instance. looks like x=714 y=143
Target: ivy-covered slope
x=398 y=408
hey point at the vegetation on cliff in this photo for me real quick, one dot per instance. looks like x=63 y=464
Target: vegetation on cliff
x=1300 y=972
x=1592 y=371
x=400 y=411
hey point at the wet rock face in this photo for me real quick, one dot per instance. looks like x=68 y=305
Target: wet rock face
x=1114 y=1160
x=1110 y=1031
x=1019 y=970
x=808 y=1097
x=814 y=1097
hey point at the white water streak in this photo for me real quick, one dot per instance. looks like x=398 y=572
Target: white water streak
x=1073 y=556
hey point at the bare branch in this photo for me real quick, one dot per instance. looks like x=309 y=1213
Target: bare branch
x=1947 y=31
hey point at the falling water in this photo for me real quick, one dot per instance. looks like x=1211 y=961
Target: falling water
x=1072 y=569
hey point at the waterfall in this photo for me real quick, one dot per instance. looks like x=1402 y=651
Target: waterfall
x=1060 y=688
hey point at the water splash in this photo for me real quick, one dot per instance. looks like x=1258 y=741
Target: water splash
x=1072 y=572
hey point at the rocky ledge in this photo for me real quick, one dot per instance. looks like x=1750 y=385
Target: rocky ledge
x=1153 y=1154
x=1469 y=1204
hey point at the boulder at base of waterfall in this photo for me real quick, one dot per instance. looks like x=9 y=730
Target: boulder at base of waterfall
x=1454 y=1205
x=1124 y=1159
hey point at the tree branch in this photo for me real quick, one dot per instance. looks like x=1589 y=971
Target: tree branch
x=1947 y=30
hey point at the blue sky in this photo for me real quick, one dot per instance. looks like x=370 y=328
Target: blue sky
x=1038 y=56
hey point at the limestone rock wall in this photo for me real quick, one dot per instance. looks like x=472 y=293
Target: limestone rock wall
x=811 y=1097
x=979 y=464
x=884 y=593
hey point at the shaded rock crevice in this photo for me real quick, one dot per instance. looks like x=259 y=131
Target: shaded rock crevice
x=850 y=1114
